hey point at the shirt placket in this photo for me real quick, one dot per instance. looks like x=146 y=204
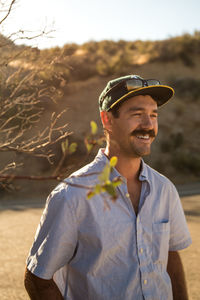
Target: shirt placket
x=142 y=256
x=142 y=247
x=143 y=250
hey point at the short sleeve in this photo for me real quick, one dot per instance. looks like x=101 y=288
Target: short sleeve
x=56 y=236
x=179 y=233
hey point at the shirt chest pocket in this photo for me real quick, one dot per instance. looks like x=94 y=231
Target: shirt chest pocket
x=160 y=242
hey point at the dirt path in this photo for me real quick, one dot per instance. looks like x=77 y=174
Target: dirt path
x=191 y=255
x=17 y=228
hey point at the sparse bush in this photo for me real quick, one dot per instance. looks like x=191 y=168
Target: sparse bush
x=165 y=146
x=69 y=49
x=103 y=68
x=186 y=59
x=182 y=47
x=177 y=139
x=91 y=47
x=172 y=143
x=81 y=68
x=108 y=47
x=187 y=88
x=187 y=162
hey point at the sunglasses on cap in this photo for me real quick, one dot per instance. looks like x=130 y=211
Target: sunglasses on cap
x=132 y=84
x=135 y=83
x=128 y=85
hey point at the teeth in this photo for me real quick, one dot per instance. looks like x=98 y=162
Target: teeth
x=146 y=137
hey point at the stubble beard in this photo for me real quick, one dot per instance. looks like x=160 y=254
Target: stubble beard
x=140 y=151
x=134 y=149
x=139 y=147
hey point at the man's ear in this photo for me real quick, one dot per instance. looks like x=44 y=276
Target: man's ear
x=106 y=119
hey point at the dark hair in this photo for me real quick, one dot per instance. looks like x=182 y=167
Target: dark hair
x=115 y=110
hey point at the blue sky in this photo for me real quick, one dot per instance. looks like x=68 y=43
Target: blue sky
x=80 y=21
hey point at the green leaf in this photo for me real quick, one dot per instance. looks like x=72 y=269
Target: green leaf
x=88 y=146
x=72 y=148
x=111 y=190
x=100 y=141
x=116 y=183
x=105 y=174
x=97 y=189
x=113 y=161
x=90 y=194
x=94 y=127
x=64 y=146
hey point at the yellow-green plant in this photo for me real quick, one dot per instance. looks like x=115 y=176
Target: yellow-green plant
x=92 y=140
x=105 y=184
x=68 y=148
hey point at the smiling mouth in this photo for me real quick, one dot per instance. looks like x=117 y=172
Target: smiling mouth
x=143 y=137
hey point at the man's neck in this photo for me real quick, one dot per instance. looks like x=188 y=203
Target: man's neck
x=129 y=167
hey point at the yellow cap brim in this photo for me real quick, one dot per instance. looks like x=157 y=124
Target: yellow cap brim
x=160 y=93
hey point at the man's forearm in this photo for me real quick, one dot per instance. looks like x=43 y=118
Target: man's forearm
x=41 y=289
x=176 y=273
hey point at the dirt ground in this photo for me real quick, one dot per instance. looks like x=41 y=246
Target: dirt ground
x=17 y=227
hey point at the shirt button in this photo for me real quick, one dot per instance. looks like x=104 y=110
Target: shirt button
x=145 y=281
x=127 y=195
x=141 y=250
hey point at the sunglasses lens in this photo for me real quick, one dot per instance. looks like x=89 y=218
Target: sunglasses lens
x=153 y=82
x=137 y=83
x=133 y=84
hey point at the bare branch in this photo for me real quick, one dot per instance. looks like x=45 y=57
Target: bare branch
x=25 y=33
x=24 y=97
x=8 y=11
x=42 y=178
x=8 y=167
x=37 y=144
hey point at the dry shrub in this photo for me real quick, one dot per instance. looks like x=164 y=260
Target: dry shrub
x=187 y=162
x=187 y=88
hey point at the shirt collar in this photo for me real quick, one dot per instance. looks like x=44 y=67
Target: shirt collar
x=143 y=173
x=101 y=156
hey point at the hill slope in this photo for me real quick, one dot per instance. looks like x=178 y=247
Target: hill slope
x=79 y=73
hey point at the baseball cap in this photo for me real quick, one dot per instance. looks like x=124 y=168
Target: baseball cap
x=123 y=88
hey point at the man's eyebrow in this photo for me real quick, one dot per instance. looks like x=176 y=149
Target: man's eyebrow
x=132 y=109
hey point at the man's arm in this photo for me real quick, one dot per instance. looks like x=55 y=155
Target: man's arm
x=41 y=289
x=176 y=273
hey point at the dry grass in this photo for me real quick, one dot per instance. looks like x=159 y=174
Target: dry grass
x=17 y=228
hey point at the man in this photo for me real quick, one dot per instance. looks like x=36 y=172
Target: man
x=128 y=252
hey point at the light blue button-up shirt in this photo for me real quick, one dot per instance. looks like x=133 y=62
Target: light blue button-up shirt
x=94 y=253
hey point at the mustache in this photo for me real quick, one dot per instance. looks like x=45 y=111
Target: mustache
x=143 y=132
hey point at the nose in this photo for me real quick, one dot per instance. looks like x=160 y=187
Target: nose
x=147 y=122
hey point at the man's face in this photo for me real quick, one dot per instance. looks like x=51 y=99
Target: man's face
x=136 y=127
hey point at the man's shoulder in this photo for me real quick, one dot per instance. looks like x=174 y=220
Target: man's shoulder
x=85 y=170
x=89 y=171
x=161 y=184
x=156 y=176
x=83 y=178
x=74 y=188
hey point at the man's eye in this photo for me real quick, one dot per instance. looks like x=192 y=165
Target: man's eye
x=136 y=114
